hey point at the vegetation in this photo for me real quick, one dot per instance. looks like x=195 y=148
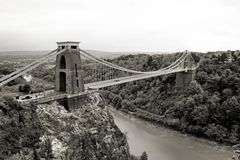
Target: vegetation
x=19 y=127
x=25 y=88
x=144 y=156
x=209 y=107
x=6 y=69
x=44 y=73
x=43 y=76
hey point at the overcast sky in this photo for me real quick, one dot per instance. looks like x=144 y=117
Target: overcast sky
x=121 y=25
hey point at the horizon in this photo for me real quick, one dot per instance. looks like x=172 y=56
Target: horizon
x=137 y=52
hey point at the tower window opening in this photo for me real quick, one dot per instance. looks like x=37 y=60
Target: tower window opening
x=63 y=47
x=62 y=82
x=62 y=62
x=76 y=70
x=73 y=47
x=77 y=83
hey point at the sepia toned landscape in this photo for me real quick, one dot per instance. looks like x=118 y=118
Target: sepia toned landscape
x=122 y=80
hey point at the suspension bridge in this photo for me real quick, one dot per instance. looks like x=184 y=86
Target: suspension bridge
x=78 y=71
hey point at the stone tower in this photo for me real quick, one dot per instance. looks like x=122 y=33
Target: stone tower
x=69 y=69
x=183 y=79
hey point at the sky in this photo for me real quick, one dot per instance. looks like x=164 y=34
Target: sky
x=121 y=25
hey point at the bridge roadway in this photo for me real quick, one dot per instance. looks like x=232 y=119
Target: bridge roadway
x=93 y=87
x=106 y=83
x=53 y=96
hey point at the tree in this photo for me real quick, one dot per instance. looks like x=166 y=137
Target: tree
x=6 y=69
x=201 y=77
x=200 y=115
x=48 y=145
x=125 y=104
x=195 y=57
x=149 y=61
x=217 y=132
x=227 y=93
x=26 y=88
x=232 y=110
x=224 y=57
x=144 y=156
x=117 y=101
x=154 y=64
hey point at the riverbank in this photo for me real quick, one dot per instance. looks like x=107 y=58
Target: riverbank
x=171 y=123
x=165 y=144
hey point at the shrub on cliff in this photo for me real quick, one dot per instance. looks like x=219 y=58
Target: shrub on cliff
x=144 y=156
x=25 y=88
x=19 y=127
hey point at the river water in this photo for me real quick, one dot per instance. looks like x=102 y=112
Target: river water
x=165 y=144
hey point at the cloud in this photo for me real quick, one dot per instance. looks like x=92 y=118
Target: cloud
x=140 y=25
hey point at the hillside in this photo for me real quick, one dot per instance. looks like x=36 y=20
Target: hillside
x=49 y=131
x=209 y=107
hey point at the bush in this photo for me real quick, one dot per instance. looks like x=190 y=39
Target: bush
x=217 y=132
x=144 y=156
x=25 y=88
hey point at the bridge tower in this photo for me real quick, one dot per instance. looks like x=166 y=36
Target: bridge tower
x=183 y=79
x=69 y=69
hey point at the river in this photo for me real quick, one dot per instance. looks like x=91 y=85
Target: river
x=165 y=144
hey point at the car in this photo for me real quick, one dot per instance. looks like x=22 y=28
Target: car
x=26 y=97
x=88 y=88
x=116 y=80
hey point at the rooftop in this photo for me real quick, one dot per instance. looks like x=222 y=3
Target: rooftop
x=68 y=42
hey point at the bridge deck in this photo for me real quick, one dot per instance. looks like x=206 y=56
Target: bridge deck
x=51 y=96
x=55 y=96
x=106 y=83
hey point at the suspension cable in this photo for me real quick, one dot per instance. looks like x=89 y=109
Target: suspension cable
x=27 y=66
x=88 y=55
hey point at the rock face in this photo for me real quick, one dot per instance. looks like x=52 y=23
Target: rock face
x=86 y=133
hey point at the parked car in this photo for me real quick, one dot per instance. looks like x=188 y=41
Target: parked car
x=27 y=97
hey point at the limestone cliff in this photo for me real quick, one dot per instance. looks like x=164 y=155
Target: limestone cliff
x=49 y=131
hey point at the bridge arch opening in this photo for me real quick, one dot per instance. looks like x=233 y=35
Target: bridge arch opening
x=62 y=62
x=62 y=83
